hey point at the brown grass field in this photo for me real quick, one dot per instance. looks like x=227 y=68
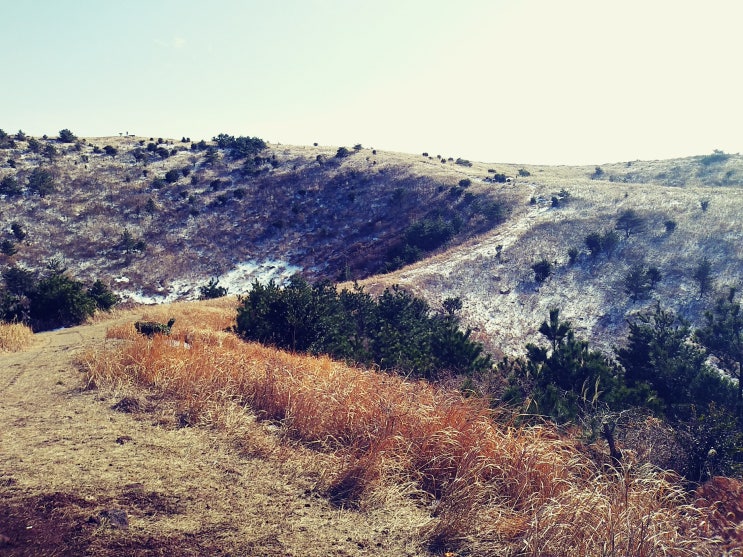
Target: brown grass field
x=200 y=443
x=376 y=441
x=120 y=470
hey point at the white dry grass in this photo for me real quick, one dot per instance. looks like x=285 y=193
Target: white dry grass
x=504 y=303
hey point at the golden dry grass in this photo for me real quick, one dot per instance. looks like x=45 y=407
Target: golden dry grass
x=491 y=487
x=70 y=455
x=15 y=337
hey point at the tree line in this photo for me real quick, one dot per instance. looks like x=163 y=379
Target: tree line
x=51 y=298
x=396 y=331
x=689 y=378
x=663 y=368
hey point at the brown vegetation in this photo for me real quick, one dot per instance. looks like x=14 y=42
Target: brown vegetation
x=456 y=474
x=15 y=337
x=327 y=218
x=489 y=486
x=116 y=471
x=338 y=218
x=504 y=302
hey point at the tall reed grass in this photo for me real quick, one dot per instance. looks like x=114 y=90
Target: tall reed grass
x=493 y=488
x=15 y=337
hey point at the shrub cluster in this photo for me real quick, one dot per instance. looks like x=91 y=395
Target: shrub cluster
x=542 y=270
x=9 y=186
x=716 y=157
x=212 y=290
x=471 y=213
x=640 y=280
x=498 y=178
x=51 y=299
x=41 y=182
x=240 y=147
x=6 y=142
x=397 y=331
x=598 y=243
x=420 y=237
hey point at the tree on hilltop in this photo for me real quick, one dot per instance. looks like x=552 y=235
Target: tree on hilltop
x=66 y=136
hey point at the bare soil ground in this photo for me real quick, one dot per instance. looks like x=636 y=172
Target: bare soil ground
x=80 y=477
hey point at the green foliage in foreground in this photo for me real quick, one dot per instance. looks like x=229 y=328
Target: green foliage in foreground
x=397 y=331
x=722 y=336
x=557 y=381
x=660 y=369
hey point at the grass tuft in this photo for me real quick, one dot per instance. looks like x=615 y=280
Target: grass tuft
x=15 y=337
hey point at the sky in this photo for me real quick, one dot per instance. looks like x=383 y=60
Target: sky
x=511 y=81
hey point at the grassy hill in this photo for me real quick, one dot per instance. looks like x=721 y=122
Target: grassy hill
x=505 y=302
x=425 y=469
x=157 y=218
x=90 y=467
x=291 y=208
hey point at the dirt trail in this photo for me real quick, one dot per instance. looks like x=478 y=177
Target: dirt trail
x=79 y=478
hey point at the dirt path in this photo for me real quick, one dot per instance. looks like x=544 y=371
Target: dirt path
x=80 y=478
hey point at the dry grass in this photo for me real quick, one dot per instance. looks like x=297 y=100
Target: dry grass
x=347 y=214
x=503 y=301
x=320 y=218
x=15 y=337
x=70 y=455
x=491 y=487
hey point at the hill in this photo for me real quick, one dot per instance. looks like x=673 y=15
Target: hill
x=686 y=212
x=156 y=219
x=194 y=211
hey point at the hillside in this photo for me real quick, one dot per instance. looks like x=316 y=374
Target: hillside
x=221 y=215
x=505 y=303
x=155 y=219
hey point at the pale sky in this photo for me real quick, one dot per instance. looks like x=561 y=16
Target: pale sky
x=512 y=81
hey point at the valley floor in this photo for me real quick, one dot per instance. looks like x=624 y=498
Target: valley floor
x=78 y=477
